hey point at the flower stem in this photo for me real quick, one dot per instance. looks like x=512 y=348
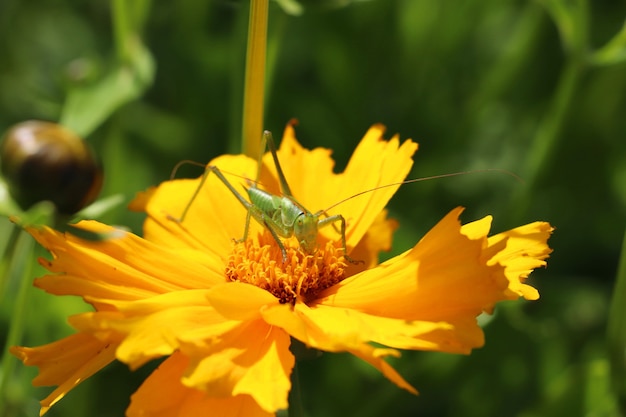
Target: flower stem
x=121 y=30
x=295 y=395
x=546 y=141
x=254 y=93
x=616 y=334
x=7 y=259
x=572 y=20
x=21 y=266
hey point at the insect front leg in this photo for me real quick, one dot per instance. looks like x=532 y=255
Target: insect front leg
x=283 y=251
x=332 y=220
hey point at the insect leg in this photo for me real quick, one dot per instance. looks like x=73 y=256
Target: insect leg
x=332 y=220
x=269 y=141
x=218 y=173
x=283 y=251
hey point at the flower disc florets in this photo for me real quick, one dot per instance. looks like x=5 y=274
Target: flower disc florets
x=301 y=277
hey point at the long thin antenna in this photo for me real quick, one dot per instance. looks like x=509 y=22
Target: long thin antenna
x=433 y=177
x=204 y=167
x=185 y=162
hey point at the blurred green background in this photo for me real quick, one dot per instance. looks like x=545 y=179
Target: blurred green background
x=533 y=87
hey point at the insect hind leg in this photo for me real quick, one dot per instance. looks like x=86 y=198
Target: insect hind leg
x=215 y=170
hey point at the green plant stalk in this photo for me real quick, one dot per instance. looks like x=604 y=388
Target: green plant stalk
x=128 y=20
x=509 y=67
x=254 y=86
x=547 y=138
x=573 y=25
x=7 y=258
x=616 y=332
x=122 y=30
x=295 y=395
x=21 y=266
x=572 y=19
x=546 y=142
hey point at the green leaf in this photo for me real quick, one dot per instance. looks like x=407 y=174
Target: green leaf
x=88 y=106
x=100 y=207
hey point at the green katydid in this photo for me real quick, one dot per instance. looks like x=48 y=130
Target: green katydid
x=283 y=216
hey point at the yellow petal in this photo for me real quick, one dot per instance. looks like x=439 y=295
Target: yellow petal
x=66 y=363
x=251 y=359
x=239 y=301
x=120 y=268
x=375 y=357
x=375 y=162
x=215 y=217
x=156 y=327
x=341 y=330
x=295 y=161
x=443 y=278
x=163 y=395
x=378 y=238
x=141 y=200
x=521 y=250
x=336 y=329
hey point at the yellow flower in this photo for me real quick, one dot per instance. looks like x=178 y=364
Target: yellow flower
x=223 y=312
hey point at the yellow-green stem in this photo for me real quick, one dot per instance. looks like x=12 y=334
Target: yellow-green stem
x=544 y=146
x=21 y=266
x=295 y=395
x=7 y=259
x=121 y=29
x=254 y=93
x=616 y=335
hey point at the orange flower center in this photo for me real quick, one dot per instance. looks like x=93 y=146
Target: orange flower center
x=301 y=277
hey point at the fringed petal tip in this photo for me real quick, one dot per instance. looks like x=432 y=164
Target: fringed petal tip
x=66 y=363
x=520 y=251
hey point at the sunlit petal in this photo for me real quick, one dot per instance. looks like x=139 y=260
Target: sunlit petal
x=163 y=395
x=66 y=363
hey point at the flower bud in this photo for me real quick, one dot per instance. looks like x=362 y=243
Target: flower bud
x=44 y=161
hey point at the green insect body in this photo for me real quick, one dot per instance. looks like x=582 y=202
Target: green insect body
x=283 y=216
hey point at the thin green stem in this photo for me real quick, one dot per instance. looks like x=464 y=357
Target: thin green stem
x=572 y=20
x=546 y=141
x=547 y=138
x=254 y=90
x=128 y=19
x=295 y=395
x=122 y=30
x=616 y=334
x=7 y=259
x=22 y=267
